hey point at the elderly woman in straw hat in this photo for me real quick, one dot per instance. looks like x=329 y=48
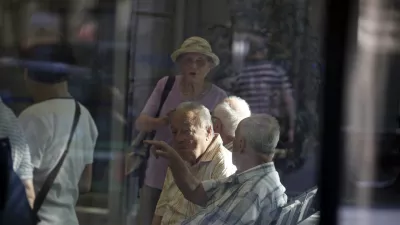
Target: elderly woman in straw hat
x=194 y=60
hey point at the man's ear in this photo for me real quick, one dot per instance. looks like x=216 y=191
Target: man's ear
x=209 y=130
x=217 y=126
x=242 y=145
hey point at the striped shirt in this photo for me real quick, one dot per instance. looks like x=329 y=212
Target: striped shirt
x=229 y=146
x=251 y=197
x=215 y=163
x=263 y=84
x=10 y=127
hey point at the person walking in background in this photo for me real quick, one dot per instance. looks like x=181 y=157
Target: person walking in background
x=48 y=124
x=227 y=116
x=11 y=129
x=266 y=87
x=194 y=60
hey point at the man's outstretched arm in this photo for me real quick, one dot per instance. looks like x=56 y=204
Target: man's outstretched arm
x=190 y=187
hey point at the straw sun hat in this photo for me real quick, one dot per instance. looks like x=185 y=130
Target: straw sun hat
x=196 y=45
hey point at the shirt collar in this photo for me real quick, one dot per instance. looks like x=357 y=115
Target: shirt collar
x=229 y=146
x=260 y=170
x=212 y=149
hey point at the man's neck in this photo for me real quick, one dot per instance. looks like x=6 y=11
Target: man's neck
x=203 y=151
x=251 y=164
x=192 y=88
x=226 y=139
x=46 y=93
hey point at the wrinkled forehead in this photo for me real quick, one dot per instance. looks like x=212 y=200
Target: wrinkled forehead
x=193 y=56
x=183 y=118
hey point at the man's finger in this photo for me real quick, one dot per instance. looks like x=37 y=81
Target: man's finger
x=158 y=144
x=159 y=153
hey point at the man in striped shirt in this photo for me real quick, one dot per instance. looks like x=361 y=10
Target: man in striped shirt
x=253 y=195
x=265 y=87
x=204 y=155
x=10 y=128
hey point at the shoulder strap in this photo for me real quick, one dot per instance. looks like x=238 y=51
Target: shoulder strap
x=41 y=196
x=167 y=89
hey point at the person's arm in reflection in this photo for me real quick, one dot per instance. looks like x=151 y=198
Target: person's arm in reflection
x=188 y=184
x=25 y=170
x=85 y=182
x=37 y=137
x=21 y=156
x=290 y=105
x=146 y=122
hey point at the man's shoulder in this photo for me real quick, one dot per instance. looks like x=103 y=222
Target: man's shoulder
x=264 y=186
x=222 y=164
x=7 y=115
x=216 y=90
x=223 y=156
x=52 y=107
x=33 y=114
x=264 y=65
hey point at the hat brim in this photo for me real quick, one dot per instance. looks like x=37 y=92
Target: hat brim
x=181 y=51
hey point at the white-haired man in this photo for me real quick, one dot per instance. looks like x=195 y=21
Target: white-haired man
x=227 y=116
x=253 y=195
x=203 y=153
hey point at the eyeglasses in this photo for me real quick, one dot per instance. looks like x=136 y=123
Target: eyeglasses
x=214 y=119
x=200 y=62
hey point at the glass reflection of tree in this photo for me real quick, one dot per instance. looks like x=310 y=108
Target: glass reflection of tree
x=291 y=44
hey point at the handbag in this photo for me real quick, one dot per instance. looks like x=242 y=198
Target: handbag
x=138 y=152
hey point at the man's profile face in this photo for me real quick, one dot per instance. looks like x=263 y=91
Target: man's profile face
x=188 y=136
x=238 y=147
x=217 y=124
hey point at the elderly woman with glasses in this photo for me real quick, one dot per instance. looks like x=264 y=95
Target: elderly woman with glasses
x=194 y=60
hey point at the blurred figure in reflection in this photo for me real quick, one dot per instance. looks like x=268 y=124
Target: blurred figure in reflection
x=203 y=152
x=266 y=87
x=194 y=60
x=87 y=31
x=227 y=116
x=47 y=125
x=252 y=195
x=10 y=128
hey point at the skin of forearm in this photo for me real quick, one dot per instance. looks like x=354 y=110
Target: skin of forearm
x=30 y=191
x=186 y=182
x=156 y=220
x=147 y=123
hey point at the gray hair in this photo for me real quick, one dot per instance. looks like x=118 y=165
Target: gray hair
x=231 y=111
x=203 y=115
x=261 y=132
